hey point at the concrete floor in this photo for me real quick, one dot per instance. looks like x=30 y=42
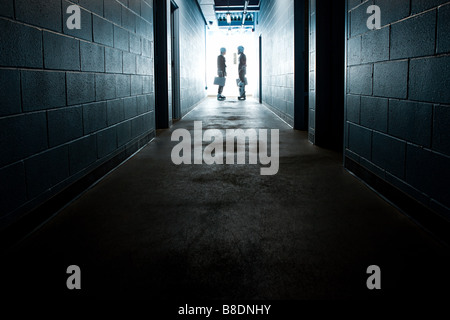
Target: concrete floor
x=156 y=230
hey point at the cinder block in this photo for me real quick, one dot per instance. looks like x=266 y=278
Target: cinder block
x=143 y=103
x=141 y=27
x=124 y=133
x=441 y=129
x=43 y=90
x=130 y=107
x=411 y=121
x=392 y=11
x=147 y=48
x=121 y=39
x=13 y=191
x=390 y=79
x=358 y=19
x=144 y=66
x=82 y=153
x=20 y=45
x=151 y=100
x=149 y=121
x=360 y=140
x=146 y=11
x=375 y=46
x=129 y=63
x=360 y=79
x=414 y=37
x=113 y=60
x=106 y=142
x=105 y=87
x=354 y=51
x=10 y=92
x=103 y=31
x=440 y=179
x=144 y=28
x=135 y=43
x=135 y=5
x=137 y=127
x=406 y=188
x=443 y=31
x=7 y=8
x=418 y=6
x=123 y=86
x=389 y=153
x=290 y=108
x=374 y=113
x=128 y=19
x=80 y=88
x=61 y=52
x=115 y=111
x=373 y=168
x=353 y=156
x=65 y=125
x=429 y=80
x=46 y=14
x=92 y=57
x=22 y=136
x=85 y=32
x=46 y=170
x=94 y=117
x=136 y=85
x=147 y=84
x=113 y=11
x=419 y=164
x=95 y=6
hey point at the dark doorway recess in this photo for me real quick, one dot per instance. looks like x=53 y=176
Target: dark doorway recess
x=175 y=57
x=301 y=36
x=327 y=44
x=163 y=96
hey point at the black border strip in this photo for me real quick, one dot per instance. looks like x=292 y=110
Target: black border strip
x=421 y=214
x=45 y=211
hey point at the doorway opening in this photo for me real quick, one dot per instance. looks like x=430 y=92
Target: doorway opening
x=230 y=40
x=175 y=60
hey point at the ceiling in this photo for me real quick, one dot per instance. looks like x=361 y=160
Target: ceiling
x=243 y=14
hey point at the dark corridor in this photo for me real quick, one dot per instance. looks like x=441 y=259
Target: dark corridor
x=344 y=142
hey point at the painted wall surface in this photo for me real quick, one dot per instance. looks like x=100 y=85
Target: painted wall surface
x=70 y=99
x=276 y=25
x=398 y=97
x=192 y=55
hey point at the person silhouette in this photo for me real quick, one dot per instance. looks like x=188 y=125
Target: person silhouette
x=242 y=68
x=221 y=71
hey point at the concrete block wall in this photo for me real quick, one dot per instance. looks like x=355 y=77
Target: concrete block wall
x=192 y=54
x=276 y=25
x=398 y=97
x=71 y=99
